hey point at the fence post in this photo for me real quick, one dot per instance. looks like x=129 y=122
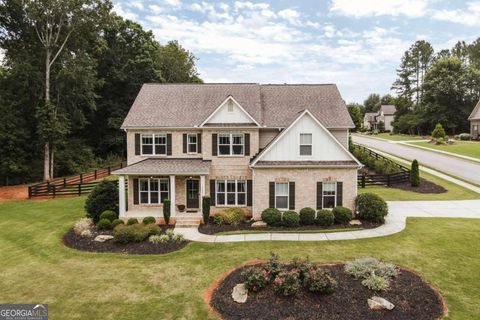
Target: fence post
x=95 y=174
x=121 y=165
x=29 y=192
x=79 y=189
x=363 y=180
x=48 y=186
x=64 y=182
x=81 y=177
x=108 y=170
x=53 y=191
x=388 y=180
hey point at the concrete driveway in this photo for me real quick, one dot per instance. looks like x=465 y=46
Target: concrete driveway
x=455 y=166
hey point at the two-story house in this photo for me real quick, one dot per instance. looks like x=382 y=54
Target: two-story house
x=245 y=145
x=385 y=114
x=474 y=119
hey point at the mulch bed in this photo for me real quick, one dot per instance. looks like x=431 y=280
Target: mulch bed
x=413 y=299
x=212 y=228
x=424 y=187
x=72 y=240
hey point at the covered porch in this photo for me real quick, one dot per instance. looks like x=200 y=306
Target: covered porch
x=152 y=181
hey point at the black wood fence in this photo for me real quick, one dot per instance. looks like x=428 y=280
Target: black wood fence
x=365 y=179
x=80 y=184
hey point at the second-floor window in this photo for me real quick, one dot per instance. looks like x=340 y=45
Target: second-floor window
x=231 y=144
x=192 y=143
x=305 y=144
x=154 y=144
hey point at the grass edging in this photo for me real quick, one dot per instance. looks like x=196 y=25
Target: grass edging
x=224 y=233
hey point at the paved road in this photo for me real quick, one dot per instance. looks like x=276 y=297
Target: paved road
x=455 y=166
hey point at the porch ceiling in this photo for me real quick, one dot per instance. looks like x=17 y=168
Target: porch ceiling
x=170 y=166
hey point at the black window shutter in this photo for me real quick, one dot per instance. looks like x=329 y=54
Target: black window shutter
x=339 y=193
x=135 y=191
x=169 y=144
x=137 y=144
x=249 y=192
x=291 y=196
x=199 y=143
x=319 y=195
x=212 y=192
x=271 y=194
x=184 y=143
x=247 y=144
x=214 y=144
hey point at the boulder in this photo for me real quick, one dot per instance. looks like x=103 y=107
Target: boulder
x=240 y=293
x=379 y=303
x=355 y=222
x=259 y=224
x=103 y=238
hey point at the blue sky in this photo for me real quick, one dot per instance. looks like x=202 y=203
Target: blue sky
x=356 y=44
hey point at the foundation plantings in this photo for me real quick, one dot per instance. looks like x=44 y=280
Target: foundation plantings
x=365 y=288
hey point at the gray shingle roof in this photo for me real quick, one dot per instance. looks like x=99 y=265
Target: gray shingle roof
x=388 y=109
x=307 y=163
x=188 y=105
x=167 y=166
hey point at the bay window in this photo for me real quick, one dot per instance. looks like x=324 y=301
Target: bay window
x=153 y=190
x=231 y=192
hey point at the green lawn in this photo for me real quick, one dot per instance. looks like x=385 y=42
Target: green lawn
x=36 y=268
x=454 y=191
x=287 y=231
x=465 y=148
x=394 y=137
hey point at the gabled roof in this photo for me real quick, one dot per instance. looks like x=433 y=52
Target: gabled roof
x=388 y=109
x=258 y=158
x=475 y=112
x=243 y=112
x=370 y=116
x=188 y=105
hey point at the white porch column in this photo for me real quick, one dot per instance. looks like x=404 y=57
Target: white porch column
x=121 y=196
x=202 y=192
x=173 y=205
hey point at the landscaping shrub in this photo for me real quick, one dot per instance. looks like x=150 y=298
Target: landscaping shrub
x=83 y=226
x=438 y=132
x=376 y=274
x=206 y=209
x=319 y=280
x=132 y=221
x=104 y=224
x=231 y=216
x=325 y=218
x=154 y=238
x=169 y=233
x=371 y=207
x=302 y=265
x=116 y=222
x=164 y=238
x=465 y=136
x=272 y=216
x=415 y=174
x=103 y=197
x=134 y=233
x=307 y=216
x=342 y=214
x=255 y=279
x=178 y=237
x=108 y=214
x=273 y=265
x=287 y=283
x=167 y=211
x=148 y=220
x=376 y=283
x=291 y=219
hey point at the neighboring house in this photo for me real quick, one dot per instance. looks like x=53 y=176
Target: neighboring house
x=385 y=114
x=246 y=145
x=474 y=119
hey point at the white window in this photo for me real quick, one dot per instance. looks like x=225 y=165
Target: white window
x=305 y=144
x=231 y=193
x=329 y=190
x=192 y=143
x=281 y=195
x=231 y=144
x=153 y=191
x=154 y=144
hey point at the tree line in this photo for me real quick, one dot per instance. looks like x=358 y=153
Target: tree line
x=431 y=87
x=72 y=69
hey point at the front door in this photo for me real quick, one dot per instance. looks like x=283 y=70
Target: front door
x=192 y=194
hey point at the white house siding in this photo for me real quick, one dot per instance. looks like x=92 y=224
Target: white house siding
x=305 y=185
x=324 y=147
x=237 y=115
x=388 y=119
x=341 y=135
x=475 y=128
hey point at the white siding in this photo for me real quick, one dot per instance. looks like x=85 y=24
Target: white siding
x=222 y=115
x=341 y=135
x=324 y=146
x=267 y=135
x=388 y=123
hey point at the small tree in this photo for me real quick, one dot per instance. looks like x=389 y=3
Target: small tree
x=415 y=174
x=206 y=209
x=166 y=211
x=103 y=197
x=438 y=132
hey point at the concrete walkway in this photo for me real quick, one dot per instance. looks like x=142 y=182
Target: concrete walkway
x=394 y=222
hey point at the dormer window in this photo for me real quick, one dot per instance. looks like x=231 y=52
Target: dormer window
x=230 y=106
x=306 y=144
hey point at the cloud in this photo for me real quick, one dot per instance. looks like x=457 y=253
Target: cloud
x=174 y=3
x=469 y=16
x=367 y=8
x=290 y=15
x=127 y=14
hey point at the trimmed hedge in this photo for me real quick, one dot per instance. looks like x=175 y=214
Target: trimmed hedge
x=109 y=214
x=232 y=216
x=148 y=220
x=272 y=216
x=132 y=221
x=307 y=216
x=325 y=218
x=116 y=222
x=372 y=207
x=134 y=233
x=104 y=224
x=291 y=219
x=342 y=214
x=103 y=197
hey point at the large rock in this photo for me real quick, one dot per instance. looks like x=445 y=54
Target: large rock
x=379 y=303
x=259 y=224
x=240 y=293
x=103 y=238
x=355 y=222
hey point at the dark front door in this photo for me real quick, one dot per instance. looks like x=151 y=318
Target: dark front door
x=192 y=194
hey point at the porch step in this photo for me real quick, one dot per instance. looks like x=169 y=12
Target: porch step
x=187 y=221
